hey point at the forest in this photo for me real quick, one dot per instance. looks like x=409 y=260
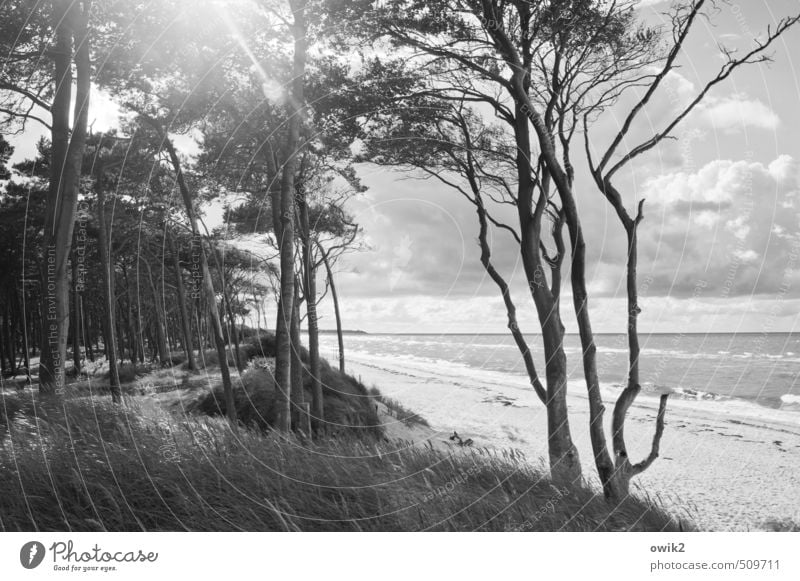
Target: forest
x=162 y=368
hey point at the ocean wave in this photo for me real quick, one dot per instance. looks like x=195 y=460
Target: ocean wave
x=790 y=400
x=688 y=393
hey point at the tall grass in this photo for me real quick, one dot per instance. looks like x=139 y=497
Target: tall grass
x=83 y=465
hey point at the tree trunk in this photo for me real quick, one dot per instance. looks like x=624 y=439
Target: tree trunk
x=298 y=395
x=9 y=339
x=310 y=277
x=130 y=321
x=511 y=309
x=70 y=21
x=186 y=328
x=564 y=459
x=109 y=302
x=232 y=334
x=286 y=235
x=159 y=321
x=208 y=284
x=76 y=318
x=624 y=469
x=25 y=348
x=335 y=296
x=602 y=458
x=3 y=347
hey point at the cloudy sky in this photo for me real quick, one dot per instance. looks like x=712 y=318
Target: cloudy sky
x=719 y=247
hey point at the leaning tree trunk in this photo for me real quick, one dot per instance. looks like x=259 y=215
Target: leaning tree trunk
x=208 y=284
x=335 y=296
x=505 y=291
x=108 y=292
x=70 y=23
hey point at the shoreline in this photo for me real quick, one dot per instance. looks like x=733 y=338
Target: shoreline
x=728 y=468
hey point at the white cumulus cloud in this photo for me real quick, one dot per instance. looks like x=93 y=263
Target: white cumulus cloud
x=737 y=112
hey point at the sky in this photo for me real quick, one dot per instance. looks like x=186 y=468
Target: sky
x=719 y=247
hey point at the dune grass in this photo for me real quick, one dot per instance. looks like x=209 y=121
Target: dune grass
x=398 y=410
x=83 y=464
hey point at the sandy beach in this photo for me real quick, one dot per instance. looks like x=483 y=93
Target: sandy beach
x=733 y=466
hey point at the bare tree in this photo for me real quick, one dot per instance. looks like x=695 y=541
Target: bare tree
x=601 y=93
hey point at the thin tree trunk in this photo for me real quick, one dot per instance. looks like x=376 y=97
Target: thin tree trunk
x=159 y=321
x=511 y=309
x=232 y=335
x=603 y=461
x=26 y=354
x=106 y=262
x=208 y=284
x=9 y=342
x=298 y=395
x=624 y=469
x=186 y=329
x=335 y=296
x=3 y=347
x=310 y=276
x=76 y=319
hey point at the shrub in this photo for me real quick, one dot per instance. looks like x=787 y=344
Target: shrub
x=347 y=405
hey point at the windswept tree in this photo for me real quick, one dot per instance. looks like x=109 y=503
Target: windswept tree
x=502 y=89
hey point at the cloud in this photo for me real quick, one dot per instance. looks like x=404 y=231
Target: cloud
x=649 y=3
x=730 y=227
x=737 y=112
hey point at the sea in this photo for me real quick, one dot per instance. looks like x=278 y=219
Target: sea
x=760 y=368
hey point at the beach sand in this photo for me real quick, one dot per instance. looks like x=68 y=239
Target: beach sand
x=727 y=465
